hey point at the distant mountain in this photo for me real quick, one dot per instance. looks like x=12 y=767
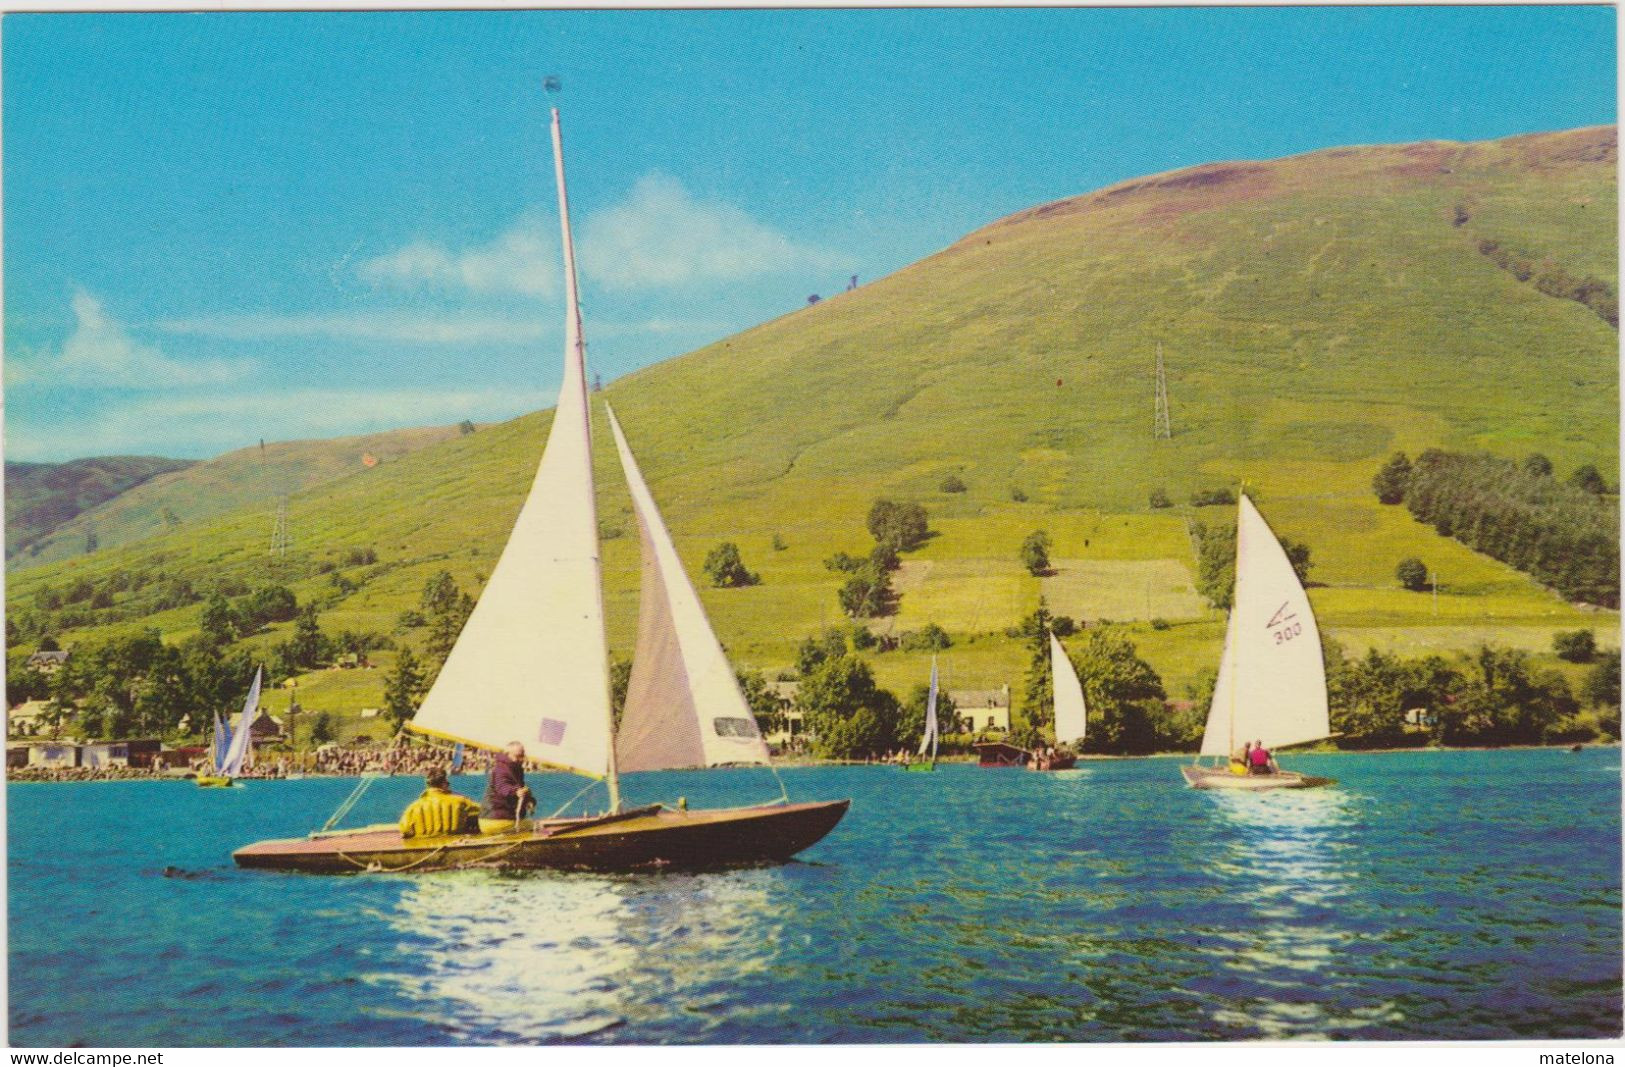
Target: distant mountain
x=42 y=497
x=169 y=497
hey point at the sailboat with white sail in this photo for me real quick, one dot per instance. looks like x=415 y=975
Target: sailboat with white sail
x=231 y=752
x=929 y=739
x=532 y=664
x=1271 y=689
x=1071 y=716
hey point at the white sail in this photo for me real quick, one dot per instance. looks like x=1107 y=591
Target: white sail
x=929 y=740
x=1272 y=679
x=683 y=704
x=532 y=664
x=1070 y=716
x=240 y=753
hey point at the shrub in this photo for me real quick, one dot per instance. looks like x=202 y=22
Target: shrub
x=1577 y=646
x=1035 y=553
x=1160 y=623
x=903 y=526
x=1587 y=479
x=1211 y=497
x=725 y=568
x=778 y=543
x=1018 y=495
x=1392 y=480
x=931 y=638
x=1159 y=498
x=1412 y=574
x=952 y=484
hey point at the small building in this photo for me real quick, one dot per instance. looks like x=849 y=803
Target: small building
x=27 y=719
x=16 y=756
x=53 y=754
x=983 y=710
x=48 y=662
x=784 y=694
x=99 y=754
x=266 y=729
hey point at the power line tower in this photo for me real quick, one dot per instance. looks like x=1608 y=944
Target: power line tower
x=280 y=541
x=1163 y=428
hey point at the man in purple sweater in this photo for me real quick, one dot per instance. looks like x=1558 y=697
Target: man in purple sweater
x=506 y=798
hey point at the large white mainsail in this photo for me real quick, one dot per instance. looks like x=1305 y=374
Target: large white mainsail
x=683 y=704
x=532 y=664
x=240 y=753
x=929 y=740
x=1070 y=716
x=1272 y=679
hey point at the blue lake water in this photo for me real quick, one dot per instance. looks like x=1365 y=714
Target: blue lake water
x=1427 y=895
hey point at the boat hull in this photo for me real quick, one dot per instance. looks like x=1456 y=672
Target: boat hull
x=1223 y=778
x=653 y=838
x=919 y=767
x=213 y=781
x=1058 y=763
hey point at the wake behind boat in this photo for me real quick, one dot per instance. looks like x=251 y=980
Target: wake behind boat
x=532 y=663
x=1271 y=688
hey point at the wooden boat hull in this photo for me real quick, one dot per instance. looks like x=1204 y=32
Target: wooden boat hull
x=213 y=781
x=1059 y=763
x=652 y=838
x=1223 y=778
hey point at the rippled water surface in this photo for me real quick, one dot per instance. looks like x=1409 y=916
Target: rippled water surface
x=1427 y=895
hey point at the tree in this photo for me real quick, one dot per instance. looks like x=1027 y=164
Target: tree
x=1577 y=646
x=814 y=651
x=1035 y=553
x=218 y=624
x=883 y=558
x=849 y=714
x=1602 y=684
x=766 y=706
x=1393 y=479
x=1124 y=695
x=952 y=484
x=439 y=593
x=1587 y=479
x=1159 y=498
x=48 y=643
x=726 y=569
x=620 y=680
x=1537 y=466
x=911 y=719
x=866 y=594
x=309 y=647
x=929 y=638
x=1503 y=701
x=465 y=427
x=321 y=729
x=403 y=688
x=903 y=526
x=1412 y=574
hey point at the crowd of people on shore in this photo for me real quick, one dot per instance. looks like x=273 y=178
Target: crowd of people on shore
x=335 y=761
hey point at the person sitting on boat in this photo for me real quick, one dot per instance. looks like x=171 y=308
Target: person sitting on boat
x=1242 y=764
x=439 y=812
x=1258 y=760
x=506 y=798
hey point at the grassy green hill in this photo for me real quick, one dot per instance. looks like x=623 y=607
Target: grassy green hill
x=1315 y=314
x=247 y=478
x=42 y=497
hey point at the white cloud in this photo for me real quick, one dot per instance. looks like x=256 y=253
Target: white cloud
x=663 y=237
x=523 y=260
x=659 y=237
x=101 y=354
x=201 y=425
x=365 y=326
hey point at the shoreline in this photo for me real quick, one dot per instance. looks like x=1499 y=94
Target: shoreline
x=48 y=776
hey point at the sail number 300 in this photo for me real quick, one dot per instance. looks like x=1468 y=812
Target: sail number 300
x=1288 y=632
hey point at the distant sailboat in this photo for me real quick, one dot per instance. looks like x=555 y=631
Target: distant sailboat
x=928 y=740
x=532 y=664
x=1071 y=718
x=1272 y=677
x=232 y=751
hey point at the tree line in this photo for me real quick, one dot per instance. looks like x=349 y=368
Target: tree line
x=1563 y=533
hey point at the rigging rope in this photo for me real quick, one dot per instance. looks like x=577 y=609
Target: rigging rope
x=349 y=802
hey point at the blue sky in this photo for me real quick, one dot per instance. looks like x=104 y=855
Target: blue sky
x=223 y=227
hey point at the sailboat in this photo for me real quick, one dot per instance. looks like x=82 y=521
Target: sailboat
x=532 y=664
x=1272 y=677
x=928 y=740
x=1071 y=717
x=232 y=751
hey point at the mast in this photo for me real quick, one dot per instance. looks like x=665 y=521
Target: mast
x=578 y=355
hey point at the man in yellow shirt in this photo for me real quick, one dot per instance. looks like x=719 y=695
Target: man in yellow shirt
x=439 y=812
